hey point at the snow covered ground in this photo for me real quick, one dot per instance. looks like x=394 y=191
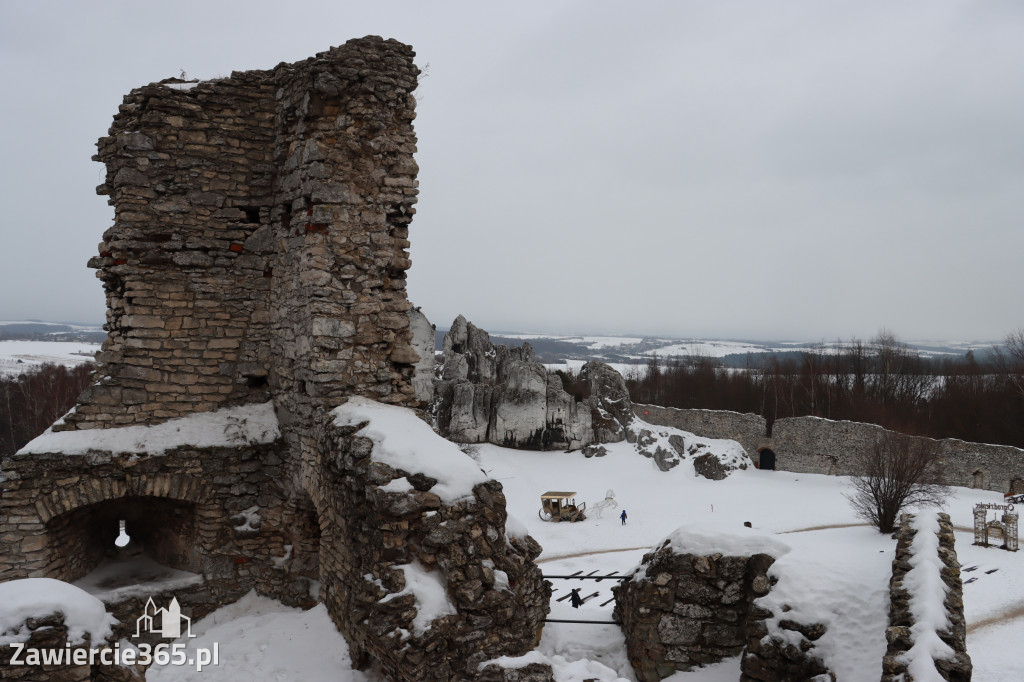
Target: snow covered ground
x=837 y=571
x=18 y=357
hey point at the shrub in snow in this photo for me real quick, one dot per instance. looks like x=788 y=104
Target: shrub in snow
x=898 y=472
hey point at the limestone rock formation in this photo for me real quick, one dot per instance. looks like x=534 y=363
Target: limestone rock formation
x=423 y=339
x=611 y=410
x=494 y=394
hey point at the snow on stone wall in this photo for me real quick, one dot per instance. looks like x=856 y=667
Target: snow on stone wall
x=823 y=446
x=927 y=632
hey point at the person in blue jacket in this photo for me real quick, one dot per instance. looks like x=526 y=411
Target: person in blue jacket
x=623 y=517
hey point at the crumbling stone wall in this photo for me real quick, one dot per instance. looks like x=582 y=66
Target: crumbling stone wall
x=371 y=528
x=685 y=610
x=260 y=239
x=901 y=631
x=746 y=429
x=822 y=446
x=785 y=653
x=343 y=201
x=59 y=519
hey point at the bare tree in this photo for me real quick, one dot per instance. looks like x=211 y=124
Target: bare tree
x=1010 y=359
x=898 y=472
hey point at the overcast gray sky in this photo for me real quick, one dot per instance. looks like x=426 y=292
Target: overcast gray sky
x=720 y=168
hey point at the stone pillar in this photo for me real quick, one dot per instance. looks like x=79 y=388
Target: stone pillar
x=980 y=529
x=1010 y=523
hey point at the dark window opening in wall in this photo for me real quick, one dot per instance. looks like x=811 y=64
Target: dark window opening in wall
x=286 y=214
x=766 y=459
x=305 y=541
x=978 y=479
x=147 y=543
x=255 y=381
x=252 y=214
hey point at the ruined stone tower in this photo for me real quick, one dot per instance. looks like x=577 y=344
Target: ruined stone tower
x=255 y=281
x=260 y=239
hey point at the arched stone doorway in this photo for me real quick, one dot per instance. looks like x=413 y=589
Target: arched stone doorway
x=161 y=531
x=766 y=459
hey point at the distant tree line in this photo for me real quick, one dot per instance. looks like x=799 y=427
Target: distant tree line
x=31 y=402
x=881 y=381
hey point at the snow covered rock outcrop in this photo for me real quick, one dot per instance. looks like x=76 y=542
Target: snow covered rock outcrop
x=494 y=394
x=669 y=447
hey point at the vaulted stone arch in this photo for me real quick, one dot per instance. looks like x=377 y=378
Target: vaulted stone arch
x=79 y=492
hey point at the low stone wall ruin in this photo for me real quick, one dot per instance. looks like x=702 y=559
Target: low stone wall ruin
x=686 y=609
x=821 y=446
x=911 y=647
x=48 y=635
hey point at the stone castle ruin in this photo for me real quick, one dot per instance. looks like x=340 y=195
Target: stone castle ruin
x=821 y=446
x=255 y=281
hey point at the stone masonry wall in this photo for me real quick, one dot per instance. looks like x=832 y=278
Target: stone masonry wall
x=370 y=529
x=746 y=429
x=901 y=634
x=59 y=520
x=260 y=239
x=822 y=446
x=343 y=202
x=786 y=651
x=688 y=610
x=259 y=253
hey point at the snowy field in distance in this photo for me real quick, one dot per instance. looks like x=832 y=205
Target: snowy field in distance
x=837 y=571
x=18 y=357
